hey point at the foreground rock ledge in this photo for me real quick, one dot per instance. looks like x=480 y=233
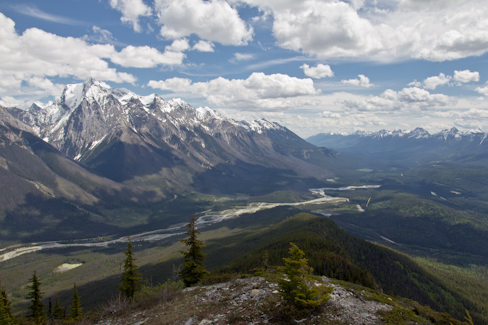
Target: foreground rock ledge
x=254 y=301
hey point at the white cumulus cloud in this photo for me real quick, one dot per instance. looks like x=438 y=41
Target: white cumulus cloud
x=173 y=84
x=350 y=121
x=433 y=82
x=178 y=45
x=461 y=77
x=318 y=72
x=257 y=91
x=46 y=85
x=408 y=99
x=466 y=76
x=213 y=20
x=203 y=46
x=482 y=90
x=31 y=59
x=146 y=57
x=431 y=30
x=361 y=81
x=415 y=83
x=469 y=119
x=37 y=53
x=131 y=11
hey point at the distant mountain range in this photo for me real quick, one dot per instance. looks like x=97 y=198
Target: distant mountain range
x=95 y=147
x=417 y=144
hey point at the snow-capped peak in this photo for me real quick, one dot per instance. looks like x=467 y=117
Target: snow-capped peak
x=419 y=133
x=260 y=126
x=73 y=95
x=205 y=113
x=91 y=89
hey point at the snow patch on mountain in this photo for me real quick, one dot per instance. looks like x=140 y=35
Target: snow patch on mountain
x=148 y=100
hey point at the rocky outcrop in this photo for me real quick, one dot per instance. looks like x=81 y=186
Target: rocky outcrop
x=257 y=300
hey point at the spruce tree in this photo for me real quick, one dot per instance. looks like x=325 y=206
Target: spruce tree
x=58 y=310
x=76 y=311
x=296 y=287
x=50 y=312
x=35 y=295
x=193 y=270
x=131 y=278
x=6 y=317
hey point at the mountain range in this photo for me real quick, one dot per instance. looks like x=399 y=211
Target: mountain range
x=124 y=136
x=95 y=147
x=416 y=145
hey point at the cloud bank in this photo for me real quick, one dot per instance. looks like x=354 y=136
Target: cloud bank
x=258 y=91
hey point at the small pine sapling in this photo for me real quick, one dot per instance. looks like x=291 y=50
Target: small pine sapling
x=296 y=286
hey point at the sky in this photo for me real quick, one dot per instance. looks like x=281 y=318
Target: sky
x=311 y=65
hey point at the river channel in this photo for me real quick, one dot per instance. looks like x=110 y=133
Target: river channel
x=205 y=218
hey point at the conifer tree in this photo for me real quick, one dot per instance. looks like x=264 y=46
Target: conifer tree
x=58 y=310
x=193 y=270
x=131 y=277
x=297 y=288
x=266 y=260
x=6 y=317
x=50 y=312
x=76 y=311
x=35 y=295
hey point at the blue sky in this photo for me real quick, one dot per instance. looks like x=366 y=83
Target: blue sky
x=311 y=65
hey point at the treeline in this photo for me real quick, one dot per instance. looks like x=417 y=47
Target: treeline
x=324 y=256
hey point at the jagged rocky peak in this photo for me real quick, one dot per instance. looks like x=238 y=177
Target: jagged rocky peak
x=92 y=90
x=419 y=133
x=36 y=107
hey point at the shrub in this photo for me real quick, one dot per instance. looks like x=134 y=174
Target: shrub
x=218 y=278
x=148 y=297
x=114 y=305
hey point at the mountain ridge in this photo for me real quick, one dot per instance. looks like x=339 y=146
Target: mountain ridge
x=103 y=127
